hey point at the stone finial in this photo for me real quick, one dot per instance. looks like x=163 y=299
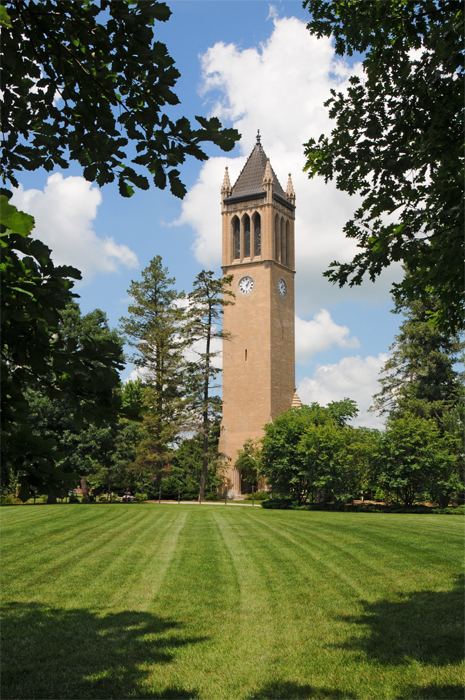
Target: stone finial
x=268 y=174
x=296 y=402
x=226 y=186
x=259 y=138
x=290 y=192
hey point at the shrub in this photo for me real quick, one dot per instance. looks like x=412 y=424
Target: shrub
x=73 y=498
x=279 y=503
x=88 y=498
x=450 y=510
x=8 y=499
x=140 y=497
x=212 y=497
x=257 y=496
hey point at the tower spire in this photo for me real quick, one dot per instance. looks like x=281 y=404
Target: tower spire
x=268 y=174
x=290 y=192
x=226 y=186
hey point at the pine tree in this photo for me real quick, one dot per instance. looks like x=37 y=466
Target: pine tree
x=156 y=327
x=206 y=301
x=420 y=388
x=420 y=377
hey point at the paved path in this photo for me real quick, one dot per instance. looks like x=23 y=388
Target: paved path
x=247 y=504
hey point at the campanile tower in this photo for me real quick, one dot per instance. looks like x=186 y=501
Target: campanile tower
x=258 y=251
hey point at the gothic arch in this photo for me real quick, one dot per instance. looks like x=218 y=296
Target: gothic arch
x=246 y=236
x=257 y=234
x=288 y=243
x=283 y=242
x=236 y=238
x=277 y=239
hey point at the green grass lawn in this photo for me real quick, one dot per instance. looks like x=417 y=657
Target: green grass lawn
x=160 y=601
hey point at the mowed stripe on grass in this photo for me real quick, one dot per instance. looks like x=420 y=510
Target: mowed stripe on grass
x=217 y=602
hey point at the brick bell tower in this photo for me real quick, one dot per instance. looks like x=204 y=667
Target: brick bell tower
x=259 y=357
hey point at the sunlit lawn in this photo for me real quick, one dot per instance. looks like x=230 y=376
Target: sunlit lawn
x=218 y=602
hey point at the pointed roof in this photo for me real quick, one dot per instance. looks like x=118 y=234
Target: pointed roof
x=250 y=180
x=290 y=188
x=226 y=186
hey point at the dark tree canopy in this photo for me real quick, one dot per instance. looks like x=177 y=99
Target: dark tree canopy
x=85 y=80
x=420 y=376
x=54 y=417
x=398 y=142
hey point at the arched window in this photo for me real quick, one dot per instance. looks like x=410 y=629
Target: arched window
x=236 y=238
x=277 y=243
x=257 y=235
x=283 y=243
x=246 y=228
x=288 y=243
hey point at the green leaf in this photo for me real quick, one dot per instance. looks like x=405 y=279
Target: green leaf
x=14 y=220
x=125 y=188
x=5 y=20
x=161 y=12
x=176 y=186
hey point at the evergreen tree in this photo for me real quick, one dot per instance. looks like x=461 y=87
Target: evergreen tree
x=206 y=302
x=156 y=328
x=420 y=388
x=419 y=376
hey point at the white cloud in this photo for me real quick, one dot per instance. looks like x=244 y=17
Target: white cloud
x=319 y=334
x=64 y=213
x=272 y=12
x=280 y=87
x=352 y=377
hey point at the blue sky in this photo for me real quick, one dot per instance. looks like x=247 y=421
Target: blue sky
x=255 y=65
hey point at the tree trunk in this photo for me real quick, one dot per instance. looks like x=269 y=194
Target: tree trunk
x=205 y=422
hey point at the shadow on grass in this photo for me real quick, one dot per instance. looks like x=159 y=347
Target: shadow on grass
x=433 y=692
x=425 y=626
x=57 y=653
x=296 y=691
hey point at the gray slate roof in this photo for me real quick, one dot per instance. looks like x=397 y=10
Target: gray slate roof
x=250 y=180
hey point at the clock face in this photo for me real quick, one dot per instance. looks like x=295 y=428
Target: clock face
x=282 y=287
x=246 y=285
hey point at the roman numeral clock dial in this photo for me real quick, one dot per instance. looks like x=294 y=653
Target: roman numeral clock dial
x=246 y=285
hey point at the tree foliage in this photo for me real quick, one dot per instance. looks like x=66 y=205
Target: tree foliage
x=306 y=453
x=34 y=294
x=87 y=81
x=66 y=425
x=249 y=464
x=183 y=477
x=397 y=141
x=206 y=301
x=155 y=327
x=422 y=393
x=420 y=375
x=417 y=462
